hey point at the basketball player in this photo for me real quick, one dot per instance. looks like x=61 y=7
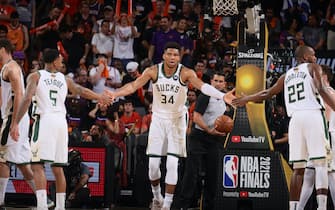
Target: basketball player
x=49 y=141
x=167 y=131
x=12 y=151
x=301 y=85
x=309 y=175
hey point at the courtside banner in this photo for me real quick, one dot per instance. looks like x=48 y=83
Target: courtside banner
x=94 y=158
x=254 y=178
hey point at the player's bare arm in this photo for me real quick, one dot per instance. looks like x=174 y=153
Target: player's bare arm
x=129 y=88
x=261 y=95
x=188 y=75
x=32 y=82
x=0 y=96
x=325 y=92
x=13 y=74
x=87 y=93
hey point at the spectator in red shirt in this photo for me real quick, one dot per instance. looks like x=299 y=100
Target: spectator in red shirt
x=131 y=119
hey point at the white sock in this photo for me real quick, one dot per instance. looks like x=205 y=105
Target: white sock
x=322 y=201
x=331 y=184
x=41 y=196
x=156 y=191
x=307 y=188
x=32 y=185
x=60 y=201
x=293 y=205
x=168 y=200
x=3 y=186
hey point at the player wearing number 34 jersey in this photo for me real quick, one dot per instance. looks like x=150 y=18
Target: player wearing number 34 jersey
x=167 y=133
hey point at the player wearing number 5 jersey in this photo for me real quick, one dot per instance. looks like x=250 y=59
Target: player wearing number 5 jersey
x=49 y=141
x=308 y=140
x=167 y=134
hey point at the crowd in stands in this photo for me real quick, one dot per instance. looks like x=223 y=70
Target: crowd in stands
x=103 y=50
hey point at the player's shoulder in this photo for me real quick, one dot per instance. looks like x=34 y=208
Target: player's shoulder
x=12 y=66
x=34 y=76
x=151 y=70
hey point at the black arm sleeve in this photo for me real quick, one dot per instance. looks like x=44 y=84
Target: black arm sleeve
x=202 y=103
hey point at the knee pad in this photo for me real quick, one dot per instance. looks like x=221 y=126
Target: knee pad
x=171 y=170
x=154 y=170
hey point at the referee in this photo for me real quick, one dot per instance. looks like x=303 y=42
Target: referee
x=204 y=146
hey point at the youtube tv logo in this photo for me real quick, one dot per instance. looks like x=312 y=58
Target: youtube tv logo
x=236 y=139
x=244 y=194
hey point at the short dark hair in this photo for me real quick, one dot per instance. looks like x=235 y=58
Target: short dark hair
x=14 y=15
x=104 y=21
x=218 y=72
x=5 y=43
x=128 y=101
x=3 y=28
x=166 y=16
x=173 y=45
x=50 y=55
x=101 y=55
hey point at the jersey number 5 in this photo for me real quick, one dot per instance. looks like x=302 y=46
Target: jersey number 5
x=52 y=96
x=165 y=100
x=295 y=92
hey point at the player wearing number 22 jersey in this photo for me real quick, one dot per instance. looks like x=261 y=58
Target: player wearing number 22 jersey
x=48 y=110
x=302 y=100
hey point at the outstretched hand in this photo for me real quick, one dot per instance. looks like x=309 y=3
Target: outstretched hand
x=106 y=98
x=229 y=97
x=241 y=101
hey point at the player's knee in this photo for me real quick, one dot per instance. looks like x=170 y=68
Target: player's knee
x=154 y=170
x=319 y=162
x=299 y=165
x=171 y=170
x=321 y=173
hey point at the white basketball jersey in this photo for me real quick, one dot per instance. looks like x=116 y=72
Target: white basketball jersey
x=7 y=95
x=50 y=93
x=332 y=122
x=169 y=94
x=299 y=90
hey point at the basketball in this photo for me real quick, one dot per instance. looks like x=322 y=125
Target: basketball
x=224 y=124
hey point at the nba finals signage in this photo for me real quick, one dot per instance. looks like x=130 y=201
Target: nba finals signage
x=253 y=179
x=252 y=175
x=251 y=172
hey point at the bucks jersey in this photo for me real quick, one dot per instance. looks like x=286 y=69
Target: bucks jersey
x=7 y=95
x=169 y=94
x=50 y=93
x=300 y=92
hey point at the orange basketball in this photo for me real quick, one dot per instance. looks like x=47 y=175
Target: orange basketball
x=224 y=124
